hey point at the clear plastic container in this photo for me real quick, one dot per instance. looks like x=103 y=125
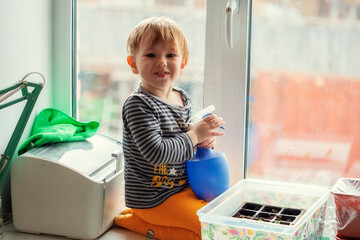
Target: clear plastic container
x=217 y=221
x=346 y=193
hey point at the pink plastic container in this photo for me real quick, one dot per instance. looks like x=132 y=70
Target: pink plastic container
x=346 y=193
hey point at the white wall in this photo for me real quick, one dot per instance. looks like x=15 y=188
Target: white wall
x=25 y=46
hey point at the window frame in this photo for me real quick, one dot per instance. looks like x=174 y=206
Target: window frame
x=63 y=85
x=230 y=94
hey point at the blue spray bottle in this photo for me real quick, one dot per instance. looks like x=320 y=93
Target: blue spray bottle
x=208 y=171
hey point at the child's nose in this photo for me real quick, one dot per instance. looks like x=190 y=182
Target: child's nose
x=161 y=61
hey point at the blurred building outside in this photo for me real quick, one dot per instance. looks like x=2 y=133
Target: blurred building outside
x=304 y=91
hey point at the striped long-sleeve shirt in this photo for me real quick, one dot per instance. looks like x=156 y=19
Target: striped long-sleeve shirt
x=155 y=148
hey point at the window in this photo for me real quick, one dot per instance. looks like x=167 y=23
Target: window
x=304 y=91
x=288 y=89
x=292 y=81
x=104 y=77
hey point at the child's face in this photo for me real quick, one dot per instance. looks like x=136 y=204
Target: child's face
x=158 y=66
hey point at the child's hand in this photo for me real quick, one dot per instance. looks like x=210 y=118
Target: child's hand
x=204 y=129
x=208 y=143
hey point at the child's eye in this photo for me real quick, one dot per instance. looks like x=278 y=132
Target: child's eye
x=171 y=55
x=151 y=55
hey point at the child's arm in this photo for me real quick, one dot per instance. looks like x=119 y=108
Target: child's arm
x=208 y=143
x=141 y=122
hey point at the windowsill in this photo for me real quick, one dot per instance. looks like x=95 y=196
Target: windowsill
x=114 y=233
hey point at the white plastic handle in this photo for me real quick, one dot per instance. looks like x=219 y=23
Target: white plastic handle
x=118 y=155
x=232 y=8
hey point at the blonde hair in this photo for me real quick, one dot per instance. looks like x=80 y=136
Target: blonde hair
x=162 y=30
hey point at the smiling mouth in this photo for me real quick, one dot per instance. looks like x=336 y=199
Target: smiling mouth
x=161 y=74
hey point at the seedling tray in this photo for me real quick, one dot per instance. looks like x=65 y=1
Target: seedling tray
x=262 y=210
x=269 y=213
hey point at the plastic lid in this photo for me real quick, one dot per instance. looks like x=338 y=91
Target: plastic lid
x=347 y=186
x=86 y=157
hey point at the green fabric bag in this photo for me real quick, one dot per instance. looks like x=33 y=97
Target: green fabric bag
x=52 y=126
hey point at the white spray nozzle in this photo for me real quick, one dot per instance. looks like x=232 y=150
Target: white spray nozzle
x=200 y=114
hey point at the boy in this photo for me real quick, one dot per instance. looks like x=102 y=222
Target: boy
x=157 y=140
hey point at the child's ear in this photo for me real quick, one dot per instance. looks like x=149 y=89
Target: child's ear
x=132 y=64
x=183 y=64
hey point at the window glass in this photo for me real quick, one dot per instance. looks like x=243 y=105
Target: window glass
x=304 y=97
x=104 y=77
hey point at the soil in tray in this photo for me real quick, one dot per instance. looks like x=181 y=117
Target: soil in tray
x=271 y=209
x=244 y=213
x=266 y=217
x=252 y=206
x=284 y=219
x=268 y=213
x=291 y=211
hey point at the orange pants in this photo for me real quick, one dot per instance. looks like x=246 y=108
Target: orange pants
x=174 y=219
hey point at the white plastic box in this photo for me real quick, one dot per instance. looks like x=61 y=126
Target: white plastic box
x=217 y=221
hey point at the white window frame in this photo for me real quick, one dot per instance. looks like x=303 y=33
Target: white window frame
x=226 y=77
x=62 y=64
